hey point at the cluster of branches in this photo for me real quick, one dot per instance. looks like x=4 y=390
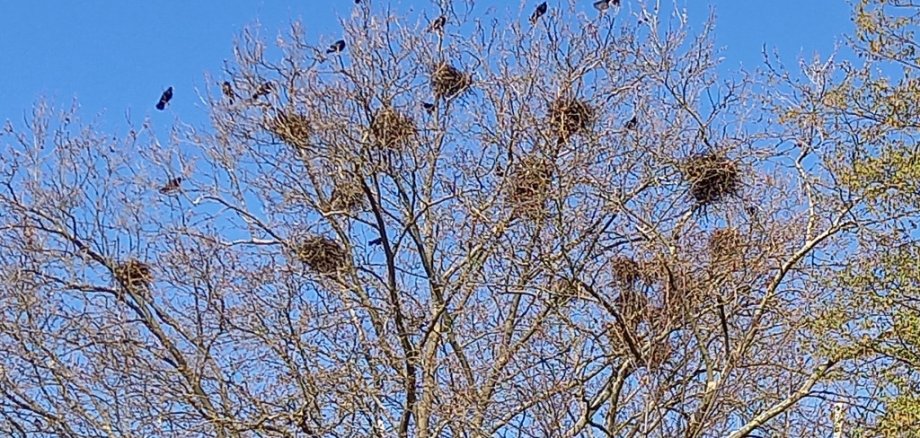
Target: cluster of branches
x=571 y=228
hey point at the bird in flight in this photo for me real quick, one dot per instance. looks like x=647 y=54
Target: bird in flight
x=438 y=24
x=537 y=13
x=227 y=89
x=164 y=99
x=172 y=186
x=336 y=47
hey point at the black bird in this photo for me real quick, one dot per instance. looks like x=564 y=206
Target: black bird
x=164 y=99
x=537 y=13
x=603 y=5
x=336 y=47
x=632 y=123
x=172 y=186
x=438 y=24
x=376 y=241
x=263 y=90
x=227 y=89
x=429 y=107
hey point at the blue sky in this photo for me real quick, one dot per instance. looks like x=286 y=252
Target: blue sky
x=118 y=56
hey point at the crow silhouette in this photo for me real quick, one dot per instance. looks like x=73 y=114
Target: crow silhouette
x=263 y=90
x=336 y=47
x=537 y=13
x=165 y=98
x=172 y=186
x=227 y=89
x=632 y=123
x=438 y=24
x=429 y=107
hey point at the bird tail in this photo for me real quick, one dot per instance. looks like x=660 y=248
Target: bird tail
x=161 y=105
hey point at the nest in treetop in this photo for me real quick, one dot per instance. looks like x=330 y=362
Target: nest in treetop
x=391 y=129
x=712 y=178
x=347 y=195
x=632 y=305
x=134 y=274
x=530 y=182
x=726 y=245
x=321 y=254
x=625 y=271
x=291 y=127
x=447 y=81
x=570 y=117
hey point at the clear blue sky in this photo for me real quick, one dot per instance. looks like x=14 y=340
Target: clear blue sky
x=117 y=56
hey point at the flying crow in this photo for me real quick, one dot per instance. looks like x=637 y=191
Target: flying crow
x=164 y=99
x=537 y=13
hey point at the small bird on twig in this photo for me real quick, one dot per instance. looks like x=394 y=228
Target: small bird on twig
x=429 y=107
x=631 y=124
x=165 y=98
x=438 y=24
x=336 y=47
x=376 y=241
x=263 y=90
x=537 y=13
x=171 y=186
x=227 y=89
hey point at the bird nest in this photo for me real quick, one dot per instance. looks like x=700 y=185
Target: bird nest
x=391 y=129
x=726 y=245
x=292 y=128
x=134 y=274
x=712 y=178
x=633 y=307
x=321 y=254
x=447 y=81
x=530 y=182
x=348 y=196
x=569 y=117
x=625 y=271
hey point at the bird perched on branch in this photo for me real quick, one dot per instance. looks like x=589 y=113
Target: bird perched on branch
x=537 y=13
x=227 y=89
x=263 y=90
x=165 y=98
x=171 y=186
x=631 y=124
x=438 y=24
x=336 y=47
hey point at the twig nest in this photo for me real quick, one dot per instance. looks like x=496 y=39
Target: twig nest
x=134 y=274
x=447 y=81
x=322 y=255
x=725 y=244
x=712 y=178
x=530 y=181
x=291 y=127
x=569 y=117
x=632 y=306
x=347 y=196
x=392 y=130
x=625 y=271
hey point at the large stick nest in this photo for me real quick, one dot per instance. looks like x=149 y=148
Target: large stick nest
x=347 y=195
x=392 y=130
x=447 y=81
x=134 y=274
x=726 y=245
x=570 y=117
x=625 y=271
x=530 y=181
x=712 y=178
x=322 y=255
x=291 y=127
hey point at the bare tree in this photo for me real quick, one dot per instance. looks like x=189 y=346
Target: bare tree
x=571 y=228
